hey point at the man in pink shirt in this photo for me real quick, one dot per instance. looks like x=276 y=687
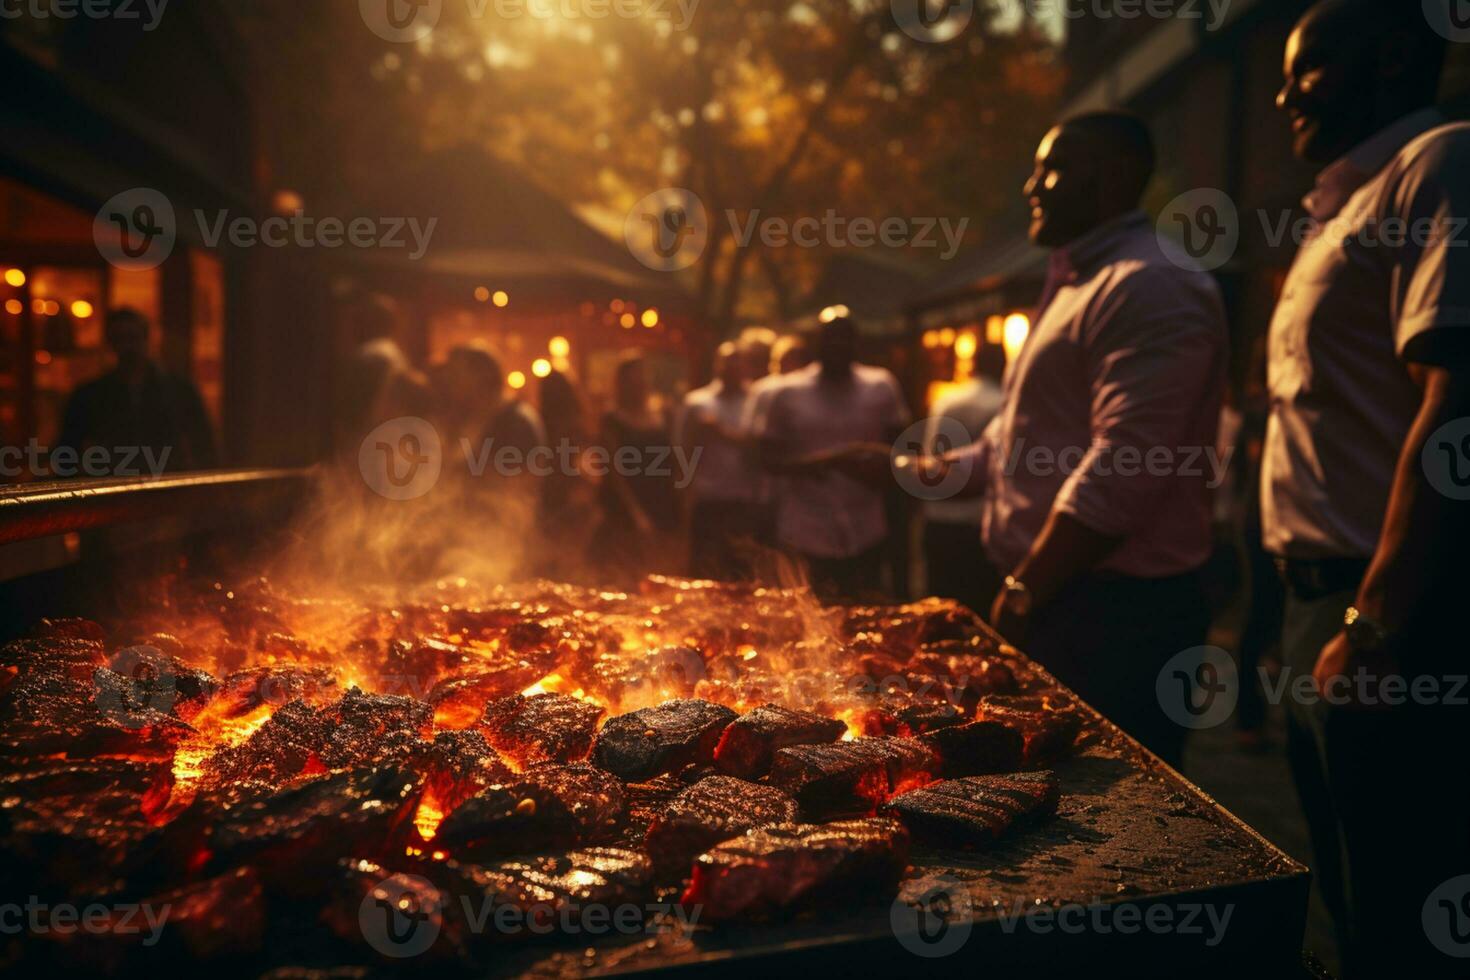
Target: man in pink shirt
x=1096 y=474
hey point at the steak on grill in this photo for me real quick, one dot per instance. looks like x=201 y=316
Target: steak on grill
x=541 y=728
x=976 y=810
x=1049 y=724
x=665 y=738
x=546 y=889
x=749 y=745
x=714 y=809
x=977 y=748
x=852 y=777
x=547 y=807
x=776 y=868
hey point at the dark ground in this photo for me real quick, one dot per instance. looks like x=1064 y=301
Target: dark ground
x=1257 y=788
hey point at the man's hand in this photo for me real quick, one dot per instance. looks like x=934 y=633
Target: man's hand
x=1336 y=674
x=1006 y=623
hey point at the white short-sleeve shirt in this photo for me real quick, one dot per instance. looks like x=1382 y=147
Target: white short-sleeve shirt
x=1386 y=263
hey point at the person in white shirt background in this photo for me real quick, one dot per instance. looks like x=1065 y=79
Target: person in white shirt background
x=1369 y=380
x=725 y=497
x=818 y=432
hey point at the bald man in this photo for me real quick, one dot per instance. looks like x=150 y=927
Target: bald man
x=1369 y=349
x=1096 y=514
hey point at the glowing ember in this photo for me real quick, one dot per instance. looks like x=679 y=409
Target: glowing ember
x=428 y=817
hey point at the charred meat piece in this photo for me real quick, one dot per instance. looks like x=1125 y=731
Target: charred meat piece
x=545 y=808
x=245 y=690
x=776 y=868
x=102 y=713
x=977 y=748
x=293 y=837
x=79 y=827
x=1049 y=723
x=906 y=715
x=975 y=810
x=546 y=889
x=646 y=802
x=645 y=743
x=852 y=777
x=541 y=728
x=915 y=624
x=457 y=766
x=357 y=731
x=370 y=905
x=712 y=810
x=459 y=699
x=163 y=681
x=749 y=745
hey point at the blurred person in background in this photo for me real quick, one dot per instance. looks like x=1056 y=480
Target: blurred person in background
x=828 y=431
x=568 y=500
x=1363 y=476
x=639 y=511
x=755 y=345
x=954 y=568
x=728 y=490
x=138 y=405
x=789 y=354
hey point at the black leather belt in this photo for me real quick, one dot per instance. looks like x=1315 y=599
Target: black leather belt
x=1316 y=578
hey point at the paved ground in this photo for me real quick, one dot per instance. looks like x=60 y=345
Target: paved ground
x=1257 y=787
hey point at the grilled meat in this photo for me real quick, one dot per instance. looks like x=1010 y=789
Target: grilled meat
x=712 y=810
x=852 y=777
x=460 y=699
x=547 y=807
x=1049 y=723
x=547 y=890
x=541 y=728
x=357 y=731
x=906 y=715
x=293 y=837
x=776 y=868
x=748 y=746
x=642 y=744
x=975 y=810
x=457 y=766
x=977 y=748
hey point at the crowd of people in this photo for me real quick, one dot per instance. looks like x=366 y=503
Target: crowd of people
x=1077 y=522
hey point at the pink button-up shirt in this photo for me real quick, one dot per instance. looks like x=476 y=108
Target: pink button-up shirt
x=1113 y=406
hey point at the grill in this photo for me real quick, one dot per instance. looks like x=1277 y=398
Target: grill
x=1129 y=833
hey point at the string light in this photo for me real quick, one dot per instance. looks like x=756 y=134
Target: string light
x=15 y=277
x=559 y=347
x=541 y=368
x=502 y=298
x=650 y=318
x=516 y=380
